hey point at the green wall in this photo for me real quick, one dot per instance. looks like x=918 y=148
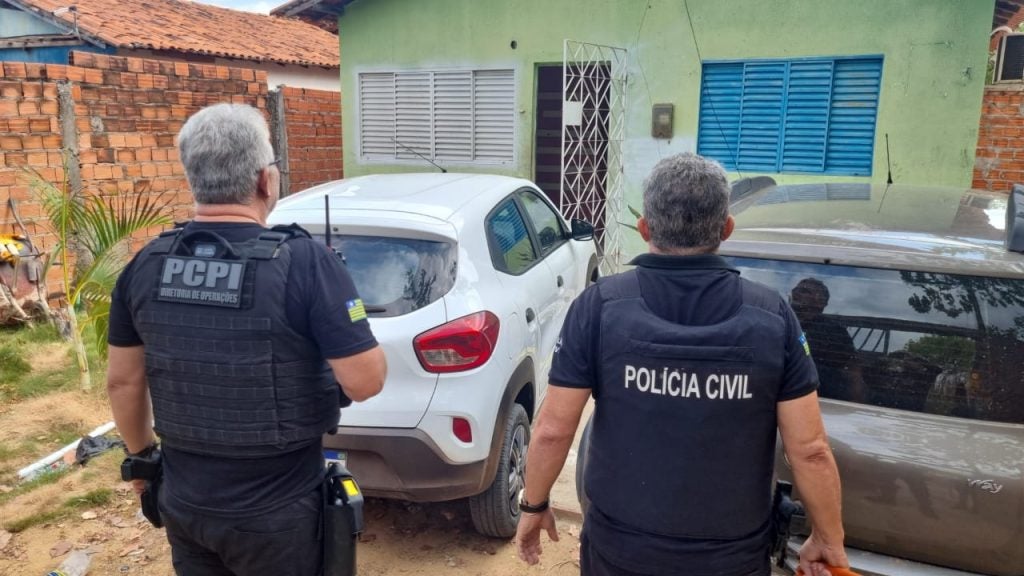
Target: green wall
x=934 y=52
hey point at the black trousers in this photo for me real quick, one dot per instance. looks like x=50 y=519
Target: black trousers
x=593 y=564
x=285 y=542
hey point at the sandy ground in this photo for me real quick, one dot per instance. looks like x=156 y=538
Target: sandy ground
x=400 y=538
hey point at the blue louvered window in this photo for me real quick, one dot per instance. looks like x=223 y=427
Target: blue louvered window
x=814 y=115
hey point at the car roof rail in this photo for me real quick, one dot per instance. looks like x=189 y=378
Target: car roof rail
x=1015 y=219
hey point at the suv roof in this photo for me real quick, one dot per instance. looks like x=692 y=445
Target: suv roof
x=431 y=194
x=897 y=226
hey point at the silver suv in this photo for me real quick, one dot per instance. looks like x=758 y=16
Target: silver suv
x=914 y=311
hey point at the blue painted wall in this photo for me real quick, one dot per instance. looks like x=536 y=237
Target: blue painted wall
x=48 y=55
x=15 y=23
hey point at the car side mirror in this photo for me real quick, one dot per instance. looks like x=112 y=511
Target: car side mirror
x=582 y=230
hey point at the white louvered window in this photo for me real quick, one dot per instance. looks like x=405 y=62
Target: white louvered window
x=455 y=116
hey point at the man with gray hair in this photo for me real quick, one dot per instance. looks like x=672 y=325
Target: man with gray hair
x=245 y=339
x=692 y=370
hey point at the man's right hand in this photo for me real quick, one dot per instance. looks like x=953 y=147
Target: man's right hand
x=816 y=557
x=139 y=486
x=528 y=534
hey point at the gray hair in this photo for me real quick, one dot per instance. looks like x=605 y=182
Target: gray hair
x=686 y=203
x=223 y=148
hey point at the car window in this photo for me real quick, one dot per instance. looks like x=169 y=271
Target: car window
x=545 y=220
x=395 y=276
x=925 y=342
x=511 y=247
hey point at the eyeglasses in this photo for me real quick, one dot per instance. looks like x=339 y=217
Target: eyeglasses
x=275 y=162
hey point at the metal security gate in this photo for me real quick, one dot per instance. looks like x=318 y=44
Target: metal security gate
x=593 y=129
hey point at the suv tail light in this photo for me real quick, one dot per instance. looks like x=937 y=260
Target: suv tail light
x=462 y=344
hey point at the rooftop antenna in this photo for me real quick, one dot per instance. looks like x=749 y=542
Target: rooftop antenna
x=888 y=162
x=436 y=165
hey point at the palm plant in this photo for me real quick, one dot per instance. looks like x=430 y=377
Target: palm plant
x=92 y=235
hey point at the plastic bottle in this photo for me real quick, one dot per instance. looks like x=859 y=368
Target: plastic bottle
x=76 y=564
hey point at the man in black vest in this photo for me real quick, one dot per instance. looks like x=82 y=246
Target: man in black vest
x=692 y=370
x=241 y=335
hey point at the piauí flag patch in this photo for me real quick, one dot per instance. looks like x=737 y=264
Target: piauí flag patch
x=356 y=310
x=803 y=342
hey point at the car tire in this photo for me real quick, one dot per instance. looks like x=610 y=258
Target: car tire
x=495 y=511
x=582 y=458
x=592 y=273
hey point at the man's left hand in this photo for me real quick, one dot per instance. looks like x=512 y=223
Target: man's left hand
x=528 y=534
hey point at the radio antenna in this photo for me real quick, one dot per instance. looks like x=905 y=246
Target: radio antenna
x=436 y=165
x=888 y=162
x=327 y=220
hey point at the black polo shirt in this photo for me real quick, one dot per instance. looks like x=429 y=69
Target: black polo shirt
x=698 y=290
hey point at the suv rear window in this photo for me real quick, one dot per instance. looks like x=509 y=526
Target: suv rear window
x=395 y=276
x=920 y=341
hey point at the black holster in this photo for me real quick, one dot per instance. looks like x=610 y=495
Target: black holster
x=150 y=469
x=788 y=518
x=342 y=521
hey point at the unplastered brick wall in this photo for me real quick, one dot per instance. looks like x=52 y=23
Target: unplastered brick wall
x=999 y=162
x=30 y=140
x=126 y=114
x=313 y=121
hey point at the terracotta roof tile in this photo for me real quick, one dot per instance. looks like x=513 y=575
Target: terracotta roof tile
x=198 y=28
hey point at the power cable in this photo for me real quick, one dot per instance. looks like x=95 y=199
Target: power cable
x=703 y=88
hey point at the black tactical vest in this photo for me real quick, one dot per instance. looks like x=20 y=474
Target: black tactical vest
x=227 y=374
x=684 y=430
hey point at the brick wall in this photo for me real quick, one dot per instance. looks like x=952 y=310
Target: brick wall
x=127 y=113
x=30 y=137
x=999 y=162
x=313 y=120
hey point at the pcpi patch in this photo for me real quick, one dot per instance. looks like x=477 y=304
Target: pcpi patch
x=203 y=281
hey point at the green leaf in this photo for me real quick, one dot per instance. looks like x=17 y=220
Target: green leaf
x=101 y=226
x=634 y=212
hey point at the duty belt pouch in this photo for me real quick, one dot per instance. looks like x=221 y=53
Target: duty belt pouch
x=342 y=520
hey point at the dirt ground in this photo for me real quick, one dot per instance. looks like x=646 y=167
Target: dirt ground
x=400 y=538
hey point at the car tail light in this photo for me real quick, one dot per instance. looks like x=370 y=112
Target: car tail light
x=462 y=344
x=462 y=430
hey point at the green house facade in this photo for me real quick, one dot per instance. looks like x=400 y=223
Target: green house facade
x=799 y=90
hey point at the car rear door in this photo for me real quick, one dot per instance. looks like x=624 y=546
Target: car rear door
x=923 y=400
x=556 y=251
x=525 y=276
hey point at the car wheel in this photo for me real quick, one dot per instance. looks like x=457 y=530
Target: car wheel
x=593 y=272
x=495 y=511
x=582 y=458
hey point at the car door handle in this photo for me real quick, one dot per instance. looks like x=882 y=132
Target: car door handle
x=530 y=315
x=561 y=282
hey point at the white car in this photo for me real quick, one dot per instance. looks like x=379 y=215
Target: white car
x=466 y=280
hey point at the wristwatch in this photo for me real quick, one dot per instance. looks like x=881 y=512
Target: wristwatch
x=145 y=452
x=525 y=506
